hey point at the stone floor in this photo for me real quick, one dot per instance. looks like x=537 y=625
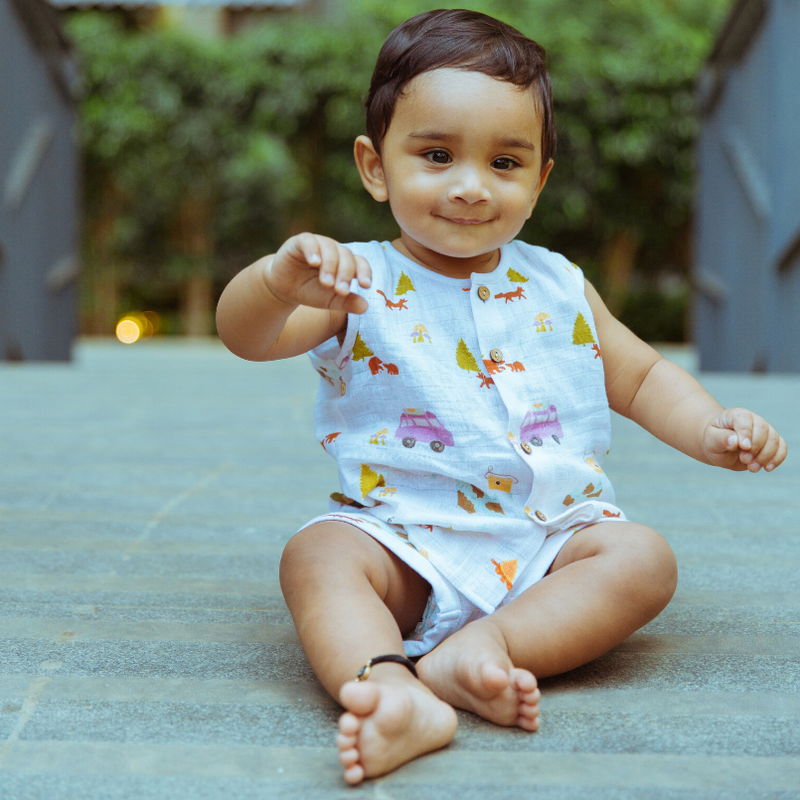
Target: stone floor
x=146 y=652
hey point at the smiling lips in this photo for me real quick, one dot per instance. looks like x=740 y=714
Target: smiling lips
x=462 y=221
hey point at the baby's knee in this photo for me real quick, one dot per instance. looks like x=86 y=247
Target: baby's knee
x=309 y=549
x=325 y=549
x=654 y=568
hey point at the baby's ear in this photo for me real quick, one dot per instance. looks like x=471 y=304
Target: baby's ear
x=370 y=168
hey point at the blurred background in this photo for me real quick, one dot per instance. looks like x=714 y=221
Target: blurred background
x=205 y=134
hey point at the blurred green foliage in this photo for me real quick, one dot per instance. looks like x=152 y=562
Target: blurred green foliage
x=259 y=127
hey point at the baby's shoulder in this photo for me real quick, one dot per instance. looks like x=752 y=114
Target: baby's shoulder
x=542 y=263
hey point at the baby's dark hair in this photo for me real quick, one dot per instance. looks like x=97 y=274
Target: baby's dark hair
x=463 y=40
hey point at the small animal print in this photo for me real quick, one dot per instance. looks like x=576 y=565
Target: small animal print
x=517 y=366
x=331 y=437
x=391 y=304
x=597 y=353
x=493 y=367
x=607 y=513
x=376 y=366
x=387 y=492
x=510 y=297
x=485 y=380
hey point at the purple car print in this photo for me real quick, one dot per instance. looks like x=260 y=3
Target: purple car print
x=539 y=424
x=422 y=426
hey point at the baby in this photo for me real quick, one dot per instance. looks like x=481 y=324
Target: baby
x=466 y=380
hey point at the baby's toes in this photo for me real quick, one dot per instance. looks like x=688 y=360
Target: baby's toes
x=345 y=741
x=524 y=681
x=349 y=725
x=528 y=723
x=354 y=774
x=348 y=757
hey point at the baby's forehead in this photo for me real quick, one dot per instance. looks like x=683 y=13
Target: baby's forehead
x=451 y=93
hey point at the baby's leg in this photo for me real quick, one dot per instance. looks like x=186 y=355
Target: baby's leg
x=351 y=599
x=607 y=581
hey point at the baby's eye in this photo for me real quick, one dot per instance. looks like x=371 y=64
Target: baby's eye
x=438 y=157
x=504 y=163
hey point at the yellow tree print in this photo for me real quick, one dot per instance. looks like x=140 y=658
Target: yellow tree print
x=465 y=359
x=404 y=285
x=515 y=276
x=581 y=332
x=360 y=349
x=370 y=479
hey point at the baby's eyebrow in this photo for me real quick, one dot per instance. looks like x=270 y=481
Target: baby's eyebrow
x=520 y=143
x=506 y=141
x=432 y=135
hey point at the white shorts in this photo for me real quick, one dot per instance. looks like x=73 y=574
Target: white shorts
x=448 y=610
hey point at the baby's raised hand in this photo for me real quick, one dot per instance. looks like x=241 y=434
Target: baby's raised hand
x=313 y=270
x=740 y=440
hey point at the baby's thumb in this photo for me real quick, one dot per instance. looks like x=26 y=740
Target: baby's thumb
x=737 y=423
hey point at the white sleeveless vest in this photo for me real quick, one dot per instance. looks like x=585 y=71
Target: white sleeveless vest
x=471 y=412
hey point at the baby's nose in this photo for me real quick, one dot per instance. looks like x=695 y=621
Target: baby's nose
x=469 y=186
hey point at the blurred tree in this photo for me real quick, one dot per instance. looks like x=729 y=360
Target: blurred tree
x=202 y=155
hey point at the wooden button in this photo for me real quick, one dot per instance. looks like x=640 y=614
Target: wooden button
x=497 y=355
x=483 y=293
x=526 y=447
x=541 y=516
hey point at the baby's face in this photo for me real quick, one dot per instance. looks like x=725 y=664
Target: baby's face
x=462 y=165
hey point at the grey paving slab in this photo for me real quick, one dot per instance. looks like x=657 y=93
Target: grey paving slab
x=146 y=652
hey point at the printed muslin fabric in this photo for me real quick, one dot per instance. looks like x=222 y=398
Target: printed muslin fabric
x=472 y=414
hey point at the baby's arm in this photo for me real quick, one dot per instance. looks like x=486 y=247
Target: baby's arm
x=288 y=303
x=667 y=401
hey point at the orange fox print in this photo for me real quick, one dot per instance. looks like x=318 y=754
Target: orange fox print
x=485 y=380
x=331 y=437
x=376 y=366
x=517 y=294
x=493 y=367
x=391 y=304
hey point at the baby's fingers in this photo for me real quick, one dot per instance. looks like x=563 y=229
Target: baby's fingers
x=768 y=450
x=337 y=267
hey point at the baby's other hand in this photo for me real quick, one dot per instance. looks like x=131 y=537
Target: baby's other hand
x=740 y=440
x=313 y=270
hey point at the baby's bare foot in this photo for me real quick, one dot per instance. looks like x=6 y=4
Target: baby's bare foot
x=389 y=721
x=470 y=670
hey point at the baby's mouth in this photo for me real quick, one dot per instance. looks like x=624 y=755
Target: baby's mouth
x=466 y=220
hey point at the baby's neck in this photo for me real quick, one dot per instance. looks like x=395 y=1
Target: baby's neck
x=451 y=267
